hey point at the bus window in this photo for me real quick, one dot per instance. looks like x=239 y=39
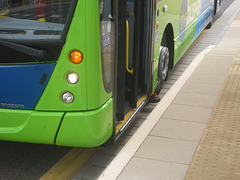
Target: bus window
x=35 y=23
x=107 y=40
x=53 y=12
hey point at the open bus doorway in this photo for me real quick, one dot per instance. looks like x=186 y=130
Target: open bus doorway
x=134 y=57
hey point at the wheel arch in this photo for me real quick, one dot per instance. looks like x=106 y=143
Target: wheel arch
x=168 y=32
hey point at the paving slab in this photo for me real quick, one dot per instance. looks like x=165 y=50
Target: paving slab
x=142 y=169
x=177 y=129
x=188 y=113
x=198 y=88
x=227 y=51
x=193 y=99
x=215 y=64
x=168 y=150
x=210 y=78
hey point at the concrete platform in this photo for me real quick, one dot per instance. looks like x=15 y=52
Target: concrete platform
x=166 y=143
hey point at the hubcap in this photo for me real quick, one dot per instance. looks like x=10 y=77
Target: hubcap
x=165 y=62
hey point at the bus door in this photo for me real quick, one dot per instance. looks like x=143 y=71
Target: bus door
x=133 y=44
x=133 y=57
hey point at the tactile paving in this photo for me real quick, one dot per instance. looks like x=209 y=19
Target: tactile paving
x=238 y=16
x=218 y=154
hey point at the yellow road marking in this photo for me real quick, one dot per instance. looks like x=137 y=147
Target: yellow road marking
x=4 y=13
x=70 y=164
x=4 y=16
x=130 y=112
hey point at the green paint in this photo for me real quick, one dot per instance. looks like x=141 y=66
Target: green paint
x=87 y=129
x=29 y=126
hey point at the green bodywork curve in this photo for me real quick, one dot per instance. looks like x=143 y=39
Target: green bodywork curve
x=89 y=92
x=87 y=129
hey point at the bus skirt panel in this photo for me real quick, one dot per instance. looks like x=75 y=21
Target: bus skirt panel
x=76 y=129
x=29 y=126
x=87 y=129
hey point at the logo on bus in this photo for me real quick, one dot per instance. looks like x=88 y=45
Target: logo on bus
x=13 y=106
x=106 y=40
x=189 y=11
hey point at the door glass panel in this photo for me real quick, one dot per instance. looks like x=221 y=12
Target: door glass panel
x=107 y=40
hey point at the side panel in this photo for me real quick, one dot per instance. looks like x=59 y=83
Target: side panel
x=194 y=17
x=87 y=129
x=188 y=18
x=207 y=12
x=29 y=126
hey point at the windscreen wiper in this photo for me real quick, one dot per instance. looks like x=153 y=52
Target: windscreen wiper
x=39 y=54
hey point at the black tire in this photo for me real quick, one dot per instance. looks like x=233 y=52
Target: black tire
x=209 y=25
x=163 y=65
x=159 y=78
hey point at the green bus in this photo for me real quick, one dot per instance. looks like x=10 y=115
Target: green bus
x=76 y=72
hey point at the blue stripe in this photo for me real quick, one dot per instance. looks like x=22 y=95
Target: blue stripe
x=21 y=85
x=204 y=18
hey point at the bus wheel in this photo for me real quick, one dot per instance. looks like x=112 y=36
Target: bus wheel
x=163 y=68
x=164 y=60
x=209 y=25
x=159 y=79
x=164 y=57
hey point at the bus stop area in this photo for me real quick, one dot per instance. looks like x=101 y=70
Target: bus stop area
x=194 y=131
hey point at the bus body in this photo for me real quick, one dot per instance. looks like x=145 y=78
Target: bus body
x=76 y=72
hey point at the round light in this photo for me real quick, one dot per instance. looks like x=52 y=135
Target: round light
x=76 y=57
x=72 y=78
x=67 y=97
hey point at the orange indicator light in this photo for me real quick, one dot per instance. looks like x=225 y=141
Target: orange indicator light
x=157 y=26
x=76 y=57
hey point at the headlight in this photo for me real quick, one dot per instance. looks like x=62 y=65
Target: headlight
x=72 y=78
x=67 y=97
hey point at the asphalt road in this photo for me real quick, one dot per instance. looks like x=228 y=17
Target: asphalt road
x=24 y=161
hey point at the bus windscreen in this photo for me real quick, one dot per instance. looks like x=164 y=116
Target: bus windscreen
x=34 y=20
